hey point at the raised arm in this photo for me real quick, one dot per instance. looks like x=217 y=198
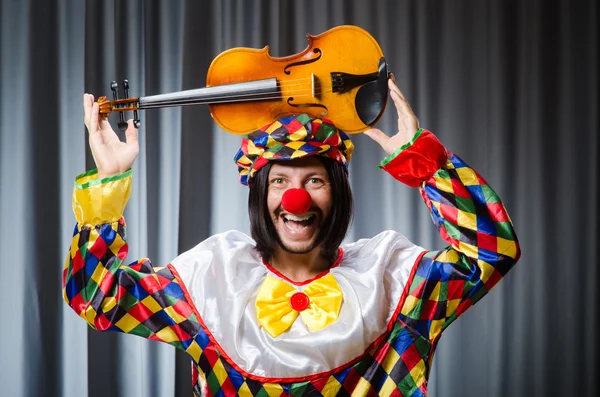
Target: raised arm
x=139 y=298
x=469 y=215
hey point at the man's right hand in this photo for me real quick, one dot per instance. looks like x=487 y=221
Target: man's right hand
x=112 y=156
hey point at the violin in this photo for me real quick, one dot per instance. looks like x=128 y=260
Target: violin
x=341 y=75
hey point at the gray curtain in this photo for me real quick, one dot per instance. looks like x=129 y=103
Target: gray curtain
x=511 y=86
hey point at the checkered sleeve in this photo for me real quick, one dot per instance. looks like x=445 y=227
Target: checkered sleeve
x=139 y=298
x=482 y=247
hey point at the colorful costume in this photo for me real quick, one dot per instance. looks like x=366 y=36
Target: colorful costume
x=368 y=326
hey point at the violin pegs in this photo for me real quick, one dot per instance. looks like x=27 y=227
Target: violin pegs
x=126 y=88
x=113 y=88
x=136 y=119
x=122 y=123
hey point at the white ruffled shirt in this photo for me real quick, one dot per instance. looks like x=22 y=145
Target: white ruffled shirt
x=223 y=275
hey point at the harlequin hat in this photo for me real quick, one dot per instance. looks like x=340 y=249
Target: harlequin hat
x=290 y=138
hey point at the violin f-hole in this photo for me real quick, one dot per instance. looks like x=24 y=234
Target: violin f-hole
x=305 y=62
x=308 y=105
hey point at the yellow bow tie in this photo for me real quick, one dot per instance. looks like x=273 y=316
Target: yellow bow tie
x=278 y=304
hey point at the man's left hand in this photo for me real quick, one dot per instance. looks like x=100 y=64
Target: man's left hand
x=408 y=124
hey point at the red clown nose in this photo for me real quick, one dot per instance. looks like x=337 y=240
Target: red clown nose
x=296 y=201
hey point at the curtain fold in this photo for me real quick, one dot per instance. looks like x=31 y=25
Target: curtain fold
x=510 y=86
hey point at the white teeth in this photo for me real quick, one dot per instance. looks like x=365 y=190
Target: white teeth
x=297 y=218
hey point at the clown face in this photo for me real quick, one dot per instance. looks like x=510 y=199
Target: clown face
x=298 y=233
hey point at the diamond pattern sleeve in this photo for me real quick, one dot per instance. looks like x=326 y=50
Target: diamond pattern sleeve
x=139 y=298
x=470 y=217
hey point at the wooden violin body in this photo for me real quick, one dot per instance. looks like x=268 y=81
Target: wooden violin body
x=341 y=76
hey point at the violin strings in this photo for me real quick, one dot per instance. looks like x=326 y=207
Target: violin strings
x=233 y=97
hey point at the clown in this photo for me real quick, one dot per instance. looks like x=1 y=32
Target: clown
x=291 y=310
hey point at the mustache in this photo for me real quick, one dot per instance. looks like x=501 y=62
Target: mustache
x=313 y=208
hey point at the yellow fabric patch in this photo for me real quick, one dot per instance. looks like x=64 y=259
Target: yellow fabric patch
x=295 y=145
x=507 y=247
x=451 y=306
x=127 y=323
x=467 y=176
x=448 y=256
x=362 y=387
x=220 y=372
x=174 y=315
x=409 y=305
x=167 y=335
x=486 y=270
x=151 y=304
x=194 y=350
x=466 y=219
x=390 y=360
x=388 y=387
x=331 y=388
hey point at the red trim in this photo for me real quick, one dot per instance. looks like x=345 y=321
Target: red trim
x=342 y=367
x=318 y=276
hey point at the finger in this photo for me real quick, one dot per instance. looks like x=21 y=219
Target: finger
x=87 y=110
x=131 y=134
x=377 y=135
x=401 y=106
x=394 y=88
x=93 y=124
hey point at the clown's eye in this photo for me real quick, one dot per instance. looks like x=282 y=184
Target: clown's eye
x=277 y=181
x=314 y=181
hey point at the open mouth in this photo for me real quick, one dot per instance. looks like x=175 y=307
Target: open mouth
x=298 y=223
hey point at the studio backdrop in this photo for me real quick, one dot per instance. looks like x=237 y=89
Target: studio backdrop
x=511 y=86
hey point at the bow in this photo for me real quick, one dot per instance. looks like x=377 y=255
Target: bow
x=278 y=304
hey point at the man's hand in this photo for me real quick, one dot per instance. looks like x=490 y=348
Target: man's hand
x=408 y=124
x=112 y=156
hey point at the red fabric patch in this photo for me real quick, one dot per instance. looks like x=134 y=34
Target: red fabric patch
x=411 y=357
x=455 y=289
x=211 y=354
x=123 y=252
x=459 y=189
x=181 y=334
x=183 y=308
x=487 y=242
x=417 y=163
x=102 y=323
x=140 y=312
x=351 y=380
x=293 y=126
x=429 y=309
x=259 y=163
x=150 y=284
x=497 y=212
x=77 y=263
x=107 y=282
x=450 y=213
x=77 y=303
x=99 y=248
x=333 y=140
x=382 y=353
x=228 y=388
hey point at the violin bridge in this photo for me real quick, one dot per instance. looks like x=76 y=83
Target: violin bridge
x=315 y=86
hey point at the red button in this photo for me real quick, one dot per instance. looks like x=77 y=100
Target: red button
x=299 y=301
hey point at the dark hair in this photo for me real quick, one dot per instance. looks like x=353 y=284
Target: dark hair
x=337 y=222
